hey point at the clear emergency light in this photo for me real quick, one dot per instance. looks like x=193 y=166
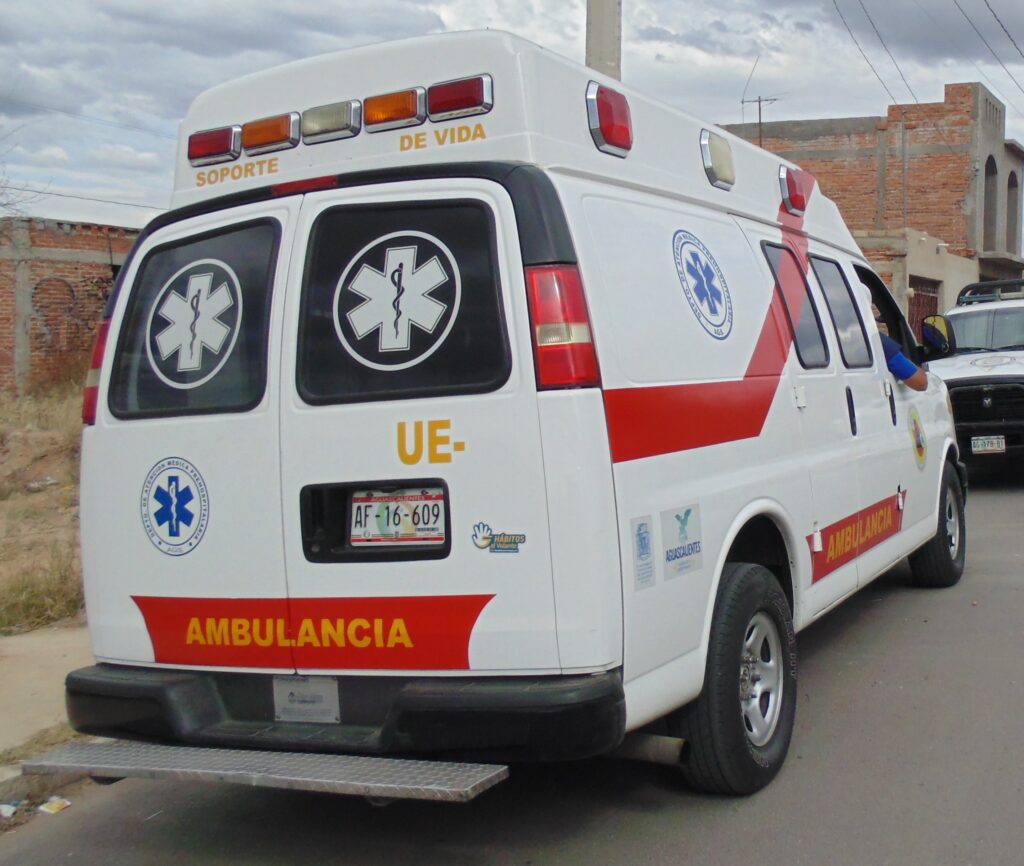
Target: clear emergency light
x=332 y=122
x=610 y=124
x=717 y=157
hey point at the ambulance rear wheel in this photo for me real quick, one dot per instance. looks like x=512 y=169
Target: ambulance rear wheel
x=940 y=563
x=738 y=731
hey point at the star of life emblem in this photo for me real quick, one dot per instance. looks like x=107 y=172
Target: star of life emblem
x=704 y=284
x=194 y=323
x=175 y=506
x=397 y=300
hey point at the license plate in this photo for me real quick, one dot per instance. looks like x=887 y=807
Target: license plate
x=988 y=444
x=306 y=699
x=395 y=518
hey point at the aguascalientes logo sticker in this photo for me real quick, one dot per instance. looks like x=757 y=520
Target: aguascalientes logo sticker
x=194 y=323
x=397 y=300
x=703 y=283
x=175 y=506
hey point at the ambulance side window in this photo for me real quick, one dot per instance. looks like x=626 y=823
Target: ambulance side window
x=853 y=341
x=799 y=306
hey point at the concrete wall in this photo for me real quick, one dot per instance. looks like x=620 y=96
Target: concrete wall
x=55 y=278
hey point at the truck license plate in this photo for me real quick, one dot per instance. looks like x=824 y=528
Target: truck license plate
x=988 y=444
x=397 y=517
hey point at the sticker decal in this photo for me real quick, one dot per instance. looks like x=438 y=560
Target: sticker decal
x=703 y=283
x=175 y=506
x=917 y=437
x=194 y=323
x=497 y=542
x=643 y=553
x=681 y=535
x=397 y=300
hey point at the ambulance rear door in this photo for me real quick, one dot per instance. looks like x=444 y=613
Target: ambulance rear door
x=180 y=493
x=415 y=514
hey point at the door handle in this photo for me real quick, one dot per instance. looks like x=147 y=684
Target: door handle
x=852 y=409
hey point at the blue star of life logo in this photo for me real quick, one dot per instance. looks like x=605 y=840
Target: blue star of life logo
x=175 y=506
x=173 y=510
x=703 y=284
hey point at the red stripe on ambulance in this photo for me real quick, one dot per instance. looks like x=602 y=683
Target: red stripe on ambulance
x=646 y=422
x=418 y=633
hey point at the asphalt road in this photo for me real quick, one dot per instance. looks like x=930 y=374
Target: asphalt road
x=908 y=749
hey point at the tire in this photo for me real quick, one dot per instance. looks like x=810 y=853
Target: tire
x=940 y=563
x=738 y=730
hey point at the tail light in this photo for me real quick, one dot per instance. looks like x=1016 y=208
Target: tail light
x=92 y=379
x=563 y=346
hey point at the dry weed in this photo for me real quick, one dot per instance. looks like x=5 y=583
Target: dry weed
x=42 y=593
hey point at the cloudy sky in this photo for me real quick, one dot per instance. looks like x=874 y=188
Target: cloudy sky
x=93 y=90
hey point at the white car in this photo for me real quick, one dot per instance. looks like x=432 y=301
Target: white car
x=985 y=368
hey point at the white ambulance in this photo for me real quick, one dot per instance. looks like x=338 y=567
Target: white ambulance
x=471 y=403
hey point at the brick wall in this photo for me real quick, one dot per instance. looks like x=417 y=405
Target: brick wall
x=55 y=278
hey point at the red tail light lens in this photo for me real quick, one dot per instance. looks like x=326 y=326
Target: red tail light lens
x=610 y=124
x=215 y=145
x=461 y=98
x=92 y=379
x=796 y=186
x=563 y=346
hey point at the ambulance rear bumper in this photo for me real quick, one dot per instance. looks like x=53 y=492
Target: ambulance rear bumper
x=514 y=718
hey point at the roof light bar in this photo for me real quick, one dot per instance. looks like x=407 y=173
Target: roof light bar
x=610 y=123
x=215 y=145
x=717 y=156
x=331 y=122
x=461 y=98
x=271 y=133
x=395 y=110
x=796 y=185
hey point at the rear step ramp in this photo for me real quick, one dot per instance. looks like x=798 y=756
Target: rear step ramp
x=386 y=778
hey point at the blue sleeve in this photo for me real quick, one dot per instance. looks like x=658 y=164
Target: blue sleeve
x=898 y=363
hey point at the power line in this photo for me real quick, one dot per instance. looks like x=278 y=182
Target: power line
x=981 y=73
x=1007 y=32
x=101 y=121
x=84 y=197
x=906 y=83
x=862 y=54
x=989 y=47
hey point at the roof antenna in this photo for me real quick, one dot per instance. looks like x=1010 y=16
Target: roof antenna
x=743 y=96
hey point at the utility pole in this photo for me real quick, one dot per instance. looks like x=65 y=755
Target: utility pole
x=766 y=100
x=604 y=36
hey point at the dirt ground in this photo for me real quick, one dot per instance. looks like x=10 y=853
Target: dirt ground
x=40 y=572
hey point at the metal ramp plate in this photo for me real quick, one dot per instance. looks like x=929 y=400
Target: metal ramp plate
x=336 y=774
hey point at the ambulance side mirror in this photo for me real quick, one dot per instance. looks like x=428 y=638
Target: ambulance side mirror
x=938 y=337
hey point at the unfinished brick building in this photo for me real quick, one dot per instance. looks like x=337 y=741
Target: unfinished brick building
x=932 y=191
x=54 y=280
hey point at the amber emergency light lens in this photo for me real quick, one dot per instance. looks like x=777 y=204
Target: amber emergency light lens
x=271 y=133
x=390 y=110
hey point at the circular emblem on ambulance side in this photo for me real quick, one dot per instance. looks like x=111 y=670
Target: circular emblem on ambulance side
x=917 y=437
x=194 y=323
x=175 y=506
x=703 y=283
x=397 y=300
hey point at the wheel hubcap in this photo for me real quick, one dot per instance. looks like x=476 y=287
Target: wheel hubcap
x=761 y=679
x=952 y=524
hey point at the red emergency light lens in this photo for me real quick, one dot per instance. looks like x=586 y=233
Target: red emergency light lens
x=796 y=186
x=461 y=98
x=296 y=187
x=215 y=145
x=610 y=124
x=563 y=346
x=92 y=379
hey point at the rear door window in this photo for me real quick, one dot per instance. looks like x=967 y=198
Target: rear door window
x=401 y=301
x=799 y=306
x=194 y=335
